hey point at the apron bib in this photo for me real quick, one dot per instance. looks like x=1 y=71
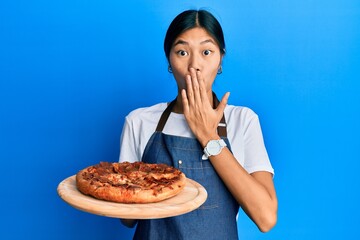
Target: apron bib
x=216 y=218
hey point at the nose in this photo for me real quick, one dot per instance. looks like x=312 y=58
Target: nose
x=195 y=62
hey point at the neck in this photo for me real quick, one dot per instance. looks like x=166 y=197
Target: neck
x=178 y=107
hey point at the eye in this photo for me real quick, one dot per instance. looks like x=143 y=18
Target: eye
x=207 y=52
x=182 y=53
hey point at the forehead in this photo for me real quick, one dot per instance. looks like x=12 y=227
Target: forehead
x=195 y=36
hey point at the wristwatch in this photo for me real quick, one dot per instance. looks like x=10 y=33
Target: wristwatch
x=213 y=148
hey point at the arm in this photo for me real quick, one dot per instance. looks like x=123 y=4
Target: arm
x=254 y=192
x=127 y=152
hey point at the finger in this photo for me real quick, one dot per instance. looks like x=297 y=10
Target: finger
x=189 y=89
x=195 y=84
x=221 y=107
x=202 y=87
x=185 y=101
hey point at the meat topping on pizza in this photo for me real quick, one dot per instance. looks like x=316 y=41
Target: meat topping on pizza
x=139 y=178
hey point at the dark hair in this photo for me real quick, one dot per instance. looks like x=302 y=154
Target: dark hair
x=190 y=19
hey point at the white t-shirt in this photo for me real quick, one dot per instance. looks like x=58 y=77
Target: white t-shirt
x=243 y=132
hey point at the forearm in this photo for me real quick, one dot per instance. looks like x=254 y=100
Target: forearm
x=255 y=193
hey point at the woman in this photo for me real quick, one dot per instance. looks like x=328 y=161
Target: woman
x=221 y=146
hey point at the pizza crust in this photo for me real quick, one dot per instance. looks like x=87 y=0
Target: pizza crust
x=143 y=183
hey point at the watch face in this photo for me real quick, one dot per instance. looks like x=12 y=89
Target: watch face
x=213 y=147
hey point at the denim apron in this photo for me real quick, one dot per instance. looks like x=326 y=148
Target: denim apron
x=216 y=218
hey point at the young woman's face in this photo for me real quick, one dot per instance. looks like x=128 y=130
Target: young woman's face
x=195 y=48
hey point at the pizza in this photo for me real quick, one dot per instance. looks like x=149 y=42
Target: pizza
x=127 y=182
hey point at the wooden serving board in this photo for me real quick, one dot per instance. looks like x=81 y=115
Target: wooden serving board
x=190 y=198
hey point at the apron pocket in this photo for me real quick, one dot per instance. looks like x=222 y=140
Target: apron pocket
x=203 y=173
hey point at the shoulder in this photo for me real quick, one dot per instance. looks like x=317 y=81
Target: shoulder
x=240 y=113
x=146 y=112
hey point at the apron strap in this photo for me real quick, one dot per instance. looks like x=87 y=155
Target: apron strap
x=165 y=115
x=222 y=124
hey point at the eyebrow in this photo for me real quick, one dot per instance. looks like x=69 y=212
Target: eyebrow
x=186 y=43
x=182 y=42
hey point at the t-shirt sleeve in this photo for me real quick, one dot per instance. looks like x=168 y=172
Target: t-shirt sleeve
x=255 y=155
x=128 y=149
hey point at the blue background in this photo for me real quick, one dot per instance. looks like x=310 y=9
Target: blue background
x=70 y=71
